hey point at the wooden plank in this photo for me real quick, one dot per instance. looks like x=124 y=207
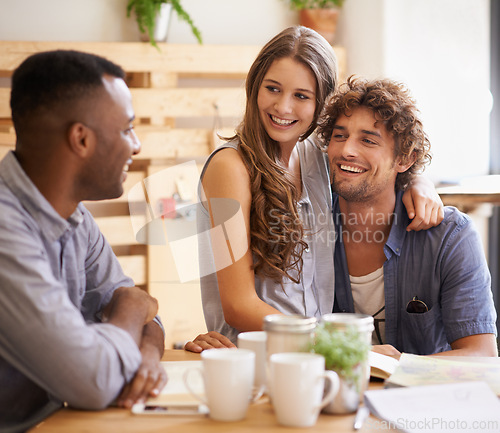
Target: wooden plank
x=470 y=199
x=224 y=60
x=189 y=102
x=135 y=267
x=160 y=142
x=7 y=139
x=107 y=208
x=164 y=79
x=138 y=79
x=6 y=125
x=119 y=230
x=172 y=102
x=5 y=102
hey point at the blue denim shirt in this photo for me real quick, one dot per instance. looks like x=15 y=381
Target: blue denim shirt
x=444 y=266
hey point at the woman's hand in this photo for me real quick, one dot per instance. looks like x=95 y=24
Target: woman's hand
x=387 y=350
x=423 y=204
x=210 y=340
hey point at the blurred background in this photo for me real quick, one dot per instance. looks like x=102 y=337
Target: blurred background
x=440 y=49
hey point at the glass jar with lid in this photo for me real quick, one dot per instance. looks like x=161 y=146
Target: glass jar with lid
x=289 y=333
x=351 y=391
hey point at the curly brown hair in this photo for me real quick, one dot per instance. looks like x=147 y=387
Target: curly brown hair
x=392 y=105
x=273 y=194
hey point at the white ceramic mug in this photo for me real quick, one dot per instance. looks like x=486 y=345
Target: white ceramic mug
x=228 y=377
x=256 y=342
x=297 y=382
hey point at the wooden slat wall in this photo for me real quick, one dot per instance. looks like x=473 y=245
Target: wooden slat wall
x=182 y=96
x=194 y=60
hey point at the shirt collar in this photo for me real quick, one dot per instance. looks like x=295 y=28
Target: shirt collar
x=51 y=224
x=398 y=228
x=399 y=224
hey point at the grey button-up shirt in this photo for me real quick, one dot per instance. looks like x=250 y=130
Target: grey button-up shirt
x=314 y=294
x=55 y=276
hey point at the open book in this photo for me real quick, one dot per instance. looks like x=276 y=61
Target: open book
x=382 y=366
x=415 y=370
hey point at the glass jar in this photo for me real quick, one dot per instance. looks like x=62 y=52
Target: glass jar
x=351 y=394
x=292 y=333
x=363 y=323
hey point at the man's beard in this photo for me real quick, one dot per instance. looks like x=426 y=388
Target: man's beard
x=350 y=192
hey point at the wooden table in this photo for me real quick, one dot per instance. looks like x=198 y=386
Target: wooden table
x=472 y=192
x=260 y=418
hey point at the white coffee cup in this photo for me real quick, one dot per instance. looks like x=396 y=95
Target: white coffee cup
x=256 y=342
x=228 y=377
x=297 y=383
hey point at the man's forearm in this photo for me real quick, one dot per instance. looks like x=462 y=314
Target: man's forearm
x=131 y=308
x=152 y=337
x=473 y=345
x=151 y=377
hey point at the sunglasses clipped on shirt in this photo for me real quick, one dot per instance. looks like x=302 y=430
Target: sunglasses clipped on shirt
x=416 y=306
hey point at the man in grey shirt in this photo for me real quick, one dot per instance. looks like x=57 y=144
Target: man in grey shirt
x=73 y=328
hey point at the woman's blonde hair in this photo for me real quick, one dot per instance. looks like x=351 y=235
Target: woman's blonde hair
x=276 y=232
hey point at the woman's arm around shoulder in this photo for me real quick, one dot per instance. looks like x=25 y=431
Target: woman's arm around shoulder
x=423 y=204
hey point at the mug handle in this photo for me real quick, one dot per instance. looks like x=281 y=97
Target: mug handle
x=186 y=382
x=333 y=378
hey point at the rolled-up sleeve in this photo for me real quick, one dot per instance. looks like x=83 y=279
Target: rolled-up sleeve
x=466 y=297
x=49 y=329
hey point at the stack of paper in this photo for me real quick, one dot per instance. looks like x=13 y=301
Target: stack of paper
x=468 y=407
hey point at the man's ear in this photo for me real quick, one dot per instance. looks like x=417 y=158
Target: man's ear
x=404 y=164
x=81 y=139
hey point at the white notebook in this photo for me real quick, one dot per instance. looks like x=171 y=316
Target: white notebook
x=467 y=407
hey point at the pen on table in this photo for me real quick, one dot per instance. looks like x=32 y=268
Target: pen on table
x=361 y=416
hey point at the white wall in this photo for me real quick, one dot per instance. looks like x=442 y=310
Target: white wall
x=220 y=21
x=439 y=48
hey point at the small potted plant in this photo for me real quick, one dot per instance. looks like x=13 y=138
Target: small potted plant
x=147 y=13
x=319 y=15
x=346 y=352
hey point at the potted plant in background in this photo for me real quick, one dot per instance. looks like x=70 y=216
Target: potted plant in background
x=319 y=15
x=346 y=352
x=153 y=17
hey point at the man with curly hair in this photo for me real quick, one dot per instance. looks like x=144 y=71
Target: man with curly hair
x=428 y=291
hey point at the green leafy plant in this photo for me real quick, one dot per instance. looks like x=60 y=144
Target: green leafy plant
x=147 y=10
x=315 y=4
x=344 y=350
